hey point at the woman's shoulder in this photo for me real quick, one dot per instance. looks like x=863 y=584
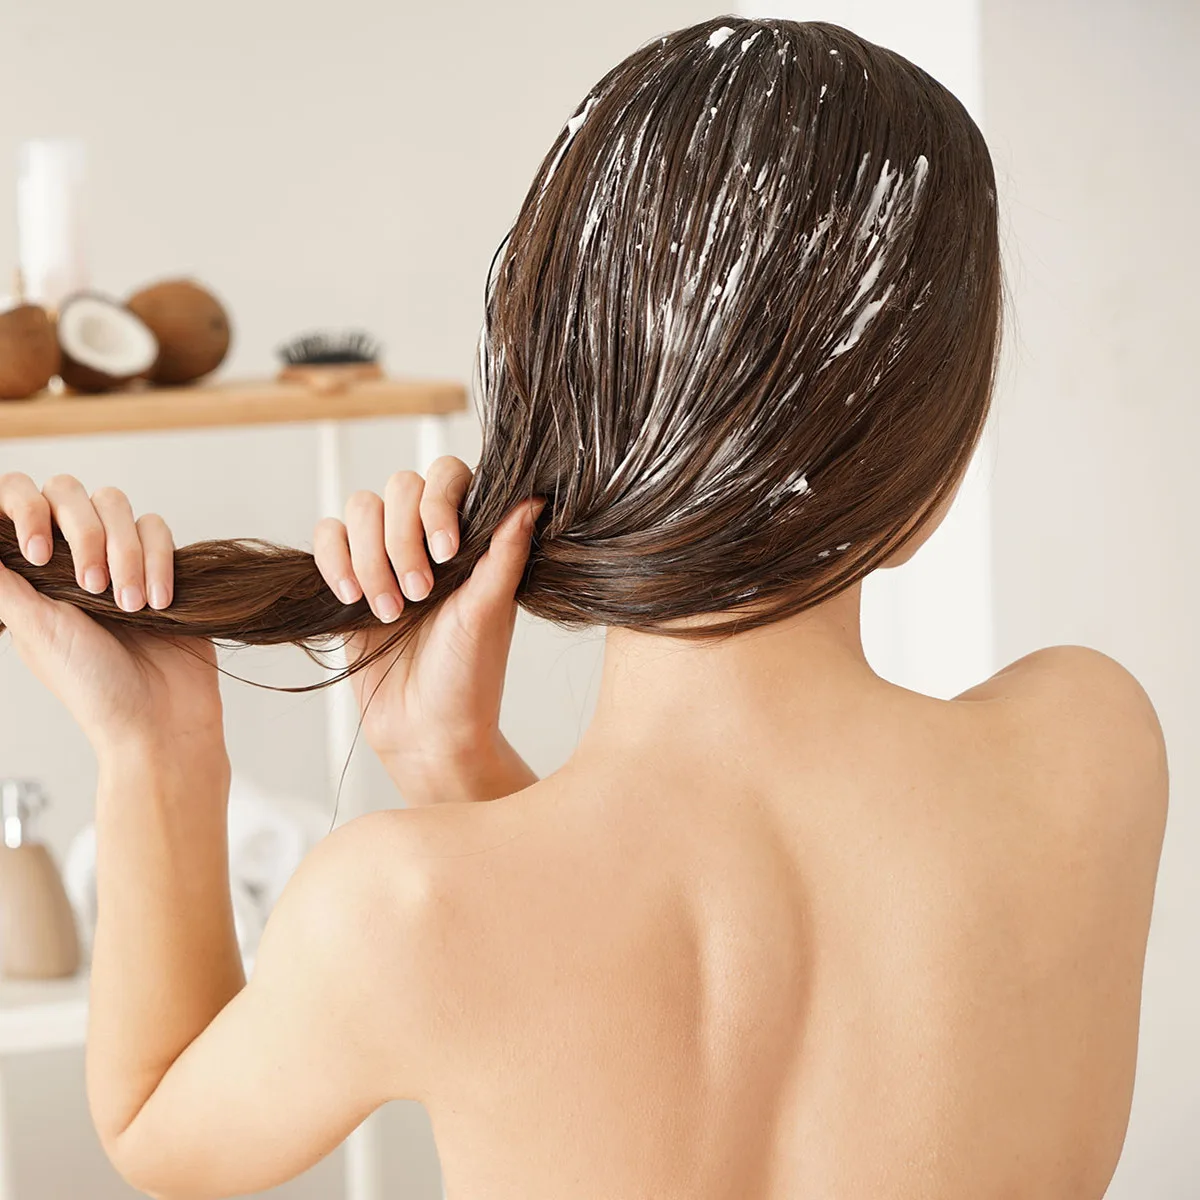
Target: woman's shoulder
x=432 y=868
x=1080 y=721
x=402 y=890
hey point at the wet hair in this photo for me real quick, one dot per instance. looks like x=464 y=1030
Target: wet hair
x=742 y=336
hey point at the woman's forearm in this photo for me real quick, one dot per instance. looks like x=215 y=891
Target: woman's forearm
x=165 y=959
x=485 y=771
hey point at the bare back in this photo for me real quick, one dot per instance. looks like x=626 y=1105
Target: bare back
x=899 y=959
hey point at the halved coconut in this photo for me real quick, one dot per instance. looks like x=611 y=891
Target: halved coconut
x=28 y=351
x=103 y=344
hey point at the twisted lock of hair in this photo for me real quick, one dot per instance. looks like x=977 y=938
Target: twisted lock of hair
x=244 y=592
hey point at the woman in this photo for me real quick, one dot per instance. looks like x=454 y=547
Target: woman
x=778 y=928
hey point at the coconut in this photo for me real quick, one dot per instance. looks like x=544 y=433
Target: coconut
x=28 y=351
x=103 y=344
x=191 y=325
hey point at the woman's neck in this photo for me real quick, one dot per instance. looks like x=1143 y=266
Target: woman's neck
x=657 y=690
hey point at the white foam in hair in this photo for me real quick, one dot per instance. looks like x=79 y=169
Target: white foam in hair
x=755 y=204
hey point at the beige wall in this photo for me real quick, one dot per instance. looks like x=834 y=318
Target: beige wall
x=1094 y=121
x=329 y=166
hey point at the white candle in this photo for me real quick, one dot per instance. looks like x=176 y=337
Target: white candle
x=50 y=219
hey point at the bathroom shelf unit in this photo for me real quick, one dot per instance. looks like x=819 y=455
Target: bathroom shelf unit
x=53 y=1014
x=49 y=1014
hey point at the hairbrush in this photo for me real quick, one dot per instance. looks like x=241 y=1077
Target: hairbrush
x=329 y=361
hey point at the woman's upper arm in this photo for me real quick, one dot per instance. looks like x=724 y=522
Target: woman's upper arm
x=320 y=1036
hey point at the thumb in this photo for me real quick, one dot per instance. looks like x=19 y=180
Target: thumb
x=493 y=582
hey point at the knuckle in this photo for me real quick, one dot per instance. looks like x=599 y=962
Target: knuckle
x=435 y=506
x=89 y=546
x=446 y=487
x=60 y=484
x=110 y=497
x=88 y=536
x=153 y=524
x=449 y=469
x=11 y=480
x=362 y=504
x=370 y=563
x=401 y=548
x=330 y=550
x=328 y=530
x=402 y=484
x=125 y=560
x=30 y=511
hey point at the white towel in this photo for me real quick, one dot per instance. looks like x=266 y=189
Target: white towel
x=268 y=836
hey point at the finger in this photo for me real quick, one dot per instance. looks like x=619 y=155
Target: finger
x=446 y=484
x=404 y=536
x=30 y=513
x=368 y=555
x=331 y=549
x=123 y=546
x=494 y=579
x=81 y=525
x=22 y=608
x=158 y=557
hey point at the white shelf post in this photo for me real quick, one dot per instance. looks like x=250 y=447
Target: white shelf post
x=362 y=1157
x=363 y=1147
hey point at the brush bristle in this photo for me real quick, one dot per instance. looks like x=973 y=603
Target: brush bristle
x=326 y=348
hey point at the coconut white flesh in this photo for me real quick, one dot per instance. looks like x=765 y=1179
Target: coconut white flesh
x=106 y=337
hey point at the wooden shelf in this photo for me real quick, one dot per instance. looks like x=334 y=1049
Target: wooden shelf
x=256 y=402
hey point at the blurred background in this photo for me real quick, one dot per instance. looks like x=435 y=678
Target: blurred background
x=358 y=166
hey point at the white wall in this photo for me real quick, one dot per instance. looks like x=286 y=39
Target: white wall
x=1094 y=121
x=317 y=166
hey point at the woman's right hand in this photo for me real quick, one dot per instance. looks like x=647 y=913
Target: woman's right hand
x=431 y=713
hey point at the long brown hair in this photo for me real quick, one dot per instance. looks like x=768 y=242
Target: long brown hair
x=742 y=335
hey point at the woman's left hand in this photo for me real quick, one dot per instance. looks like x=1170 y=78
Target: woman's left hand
x=127 y=689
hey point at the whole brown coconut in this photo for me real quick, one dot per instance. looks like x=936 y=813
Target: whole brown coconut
x=191 y=325
x=28 y=351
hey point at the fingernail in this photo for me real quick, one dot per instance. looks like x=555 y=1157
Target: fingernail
x=158 y=596
x=441 y=546
x=93 y=580
x=386 y=608
x=416 y=586
x=348 y=592
x=37 y=550
x=131 y=598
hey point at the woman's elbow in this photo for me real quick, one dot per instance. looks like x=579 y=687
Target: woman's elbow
x=148 y=1166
